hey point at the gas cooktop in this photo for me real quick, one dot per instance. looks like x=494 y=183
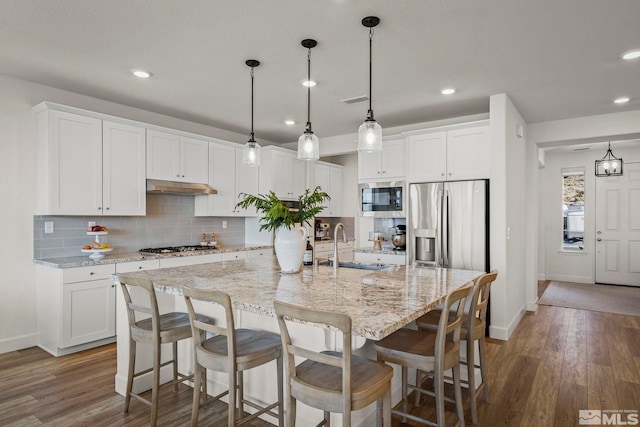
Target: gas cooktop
x=174 y=249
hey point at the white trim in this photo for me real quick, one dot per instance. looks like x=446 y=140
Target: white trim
x=18 y=343
x=571 y=278
x=505 y=333
x=533 y=306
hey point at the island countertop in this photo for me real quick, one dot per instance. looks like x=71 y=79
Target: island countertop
x=379 y=302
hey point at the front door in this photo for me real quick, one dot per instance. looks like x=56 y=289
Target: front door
x=618 y=227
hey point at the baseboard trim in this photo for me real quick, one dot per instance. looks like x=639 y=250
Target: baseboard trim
x=501 y=333
x=533 y=306
x=18 y=343
x=571 y=278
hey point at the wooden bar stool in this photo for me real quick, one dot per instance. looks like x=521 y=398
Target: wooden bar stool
x=329 y=380
x=473 y=329
x=155 y=330
x=431 y=352
x=232 y=351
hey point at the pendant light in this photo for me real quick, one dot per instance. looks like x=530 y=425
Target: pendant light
x=251 y=150
x=370 y=132
x=609 y=165
x=308 y=145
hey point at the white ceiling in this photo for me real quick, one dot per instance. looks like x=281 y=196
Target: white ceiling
x=556 y=59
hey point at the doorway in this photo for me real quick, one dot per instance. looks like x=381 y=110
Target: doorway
x=618 y=228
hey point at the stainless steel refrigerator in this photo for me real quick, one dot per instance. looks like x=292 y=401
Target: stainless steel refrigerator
x=448 y=224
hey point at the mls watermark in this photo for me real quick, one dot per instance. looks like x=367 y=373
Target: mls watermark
x=608 y=417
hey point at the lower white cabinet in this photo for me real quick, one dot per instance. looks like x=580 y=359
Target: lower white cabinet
x=189 y=260
x=76 y=308
x=324 y=250
x=375 y=258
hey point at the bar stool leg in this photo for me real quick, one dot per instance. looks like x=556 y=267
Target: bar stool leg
x=280 y=392
x=405 y=371
x=439 y=395
x=458 y=395
x=481 y=351
x=174 y=350
x=132 y=362
x=471 y=379
x=197 y=383
x=155 y=388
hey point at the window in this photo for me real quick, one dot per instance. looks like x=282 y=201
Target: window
x=573 y=209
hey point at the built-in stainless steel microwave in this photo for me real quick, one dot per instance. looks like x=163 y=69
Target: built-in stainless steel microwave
x=382 y=199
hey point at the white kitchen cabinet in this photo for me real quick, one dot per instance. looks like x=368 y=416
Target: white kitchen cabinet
x=174 y=157
x=376 y=258
x=282 y=173
x=232 y=256
x=324 y=250
x=229 y=177
x=448 y=155
x=76 y=308
x=142 y=265
x=178 y=261
x=87 y=166
x=329 y=178
x=259 y=253
x=388 y=163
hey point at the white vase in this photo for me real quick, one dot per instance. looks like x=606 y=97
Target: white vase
x=289 y=245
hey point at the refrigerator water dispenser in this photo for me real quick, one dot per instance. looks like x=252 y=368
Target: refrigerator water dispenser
x=425 y=245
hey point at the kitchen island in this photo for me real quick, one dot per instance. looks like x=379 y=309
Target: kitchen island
x=379 y=302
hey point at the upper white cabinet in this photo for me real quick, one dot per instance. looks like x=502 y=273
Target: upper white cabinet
x=89 y=167
x=282 y=173
x=177 y=158
x=446 y=155
x=229 y=177
x=329 y=178
x=388 y=163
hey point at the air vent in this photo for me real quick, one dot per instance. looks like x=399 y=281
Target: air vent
x=355 y=100
x=582 y=149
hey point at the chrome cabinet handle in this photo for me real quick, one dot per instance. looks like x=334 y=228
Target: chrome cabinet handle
x=599 y=239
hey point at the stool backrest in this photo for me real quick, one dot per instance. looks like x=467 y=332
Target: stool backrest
x=480 y=299
x=287 y=312
x=149 y=307
x=449 y=326
x=200 y=329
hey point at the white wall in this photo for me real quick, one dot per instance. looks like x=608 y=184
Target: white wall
x=18 y=193
x=554 y=263
x=508 y=218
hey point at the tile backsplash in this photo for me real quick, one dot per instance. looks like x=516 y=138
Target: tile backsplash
x=169 y=221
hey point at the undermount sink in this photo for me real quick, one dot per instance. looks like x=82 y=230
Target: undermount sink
x=357 y=265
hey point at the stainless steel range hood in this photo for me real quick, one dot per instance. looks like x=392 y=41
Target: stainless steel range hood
x=173 y=187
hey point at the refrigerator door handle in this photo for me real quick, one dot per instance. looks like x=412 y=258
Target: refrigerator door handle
x=444 y=230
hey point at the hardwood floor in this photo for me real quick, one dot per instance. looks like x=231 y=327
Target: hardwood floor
x=557 y=362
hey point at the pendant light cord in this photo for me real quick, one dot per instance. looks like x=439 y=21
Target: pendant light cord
x=370 y=113
x=251 y=139
x=308 y=127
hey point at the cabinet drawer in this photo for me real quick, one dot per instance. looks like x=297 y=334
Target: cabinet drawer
x=230 y=256
x=189 y=260
x=128 y=267
x=82 y=274
x=259 y=252
x=380 y=258
x=319 y=247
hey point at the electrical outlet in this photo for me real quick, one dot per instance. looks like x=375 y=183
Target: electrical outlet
x=224 y=224
x=48 y=227
x=92 y=223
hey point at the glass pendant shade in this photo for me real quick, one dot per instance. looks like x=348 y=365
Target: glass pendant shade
x=308 y=146
x=251 y=154
x=370 y=136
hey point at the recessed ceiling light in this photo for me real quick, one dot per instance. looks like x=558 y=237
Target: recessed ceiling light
x=289 y=122
x=622 y=100
x=631 y=54
x=448 y=91
x=308 y=83
x=142 y=73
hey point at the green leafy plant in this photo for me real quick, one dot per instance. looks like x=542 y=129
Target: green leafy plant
x=276 y=213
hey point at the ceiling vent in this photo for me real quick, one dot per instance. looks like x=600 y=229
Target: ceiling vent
x=355 y=100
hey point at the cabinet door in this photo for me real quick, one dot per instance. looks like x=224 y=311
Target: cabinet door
x=369 y=165
x=194 y=160
x=123 y=178
x=427 y=157
x=335 y=184
x=163 y=156
x=393 y=159
x=76 y=164
x=280 y=174
x=321 y=178
x=297 y=177
x=246 y=179
x=88 y=311
x=223 y=163
x=468 y=153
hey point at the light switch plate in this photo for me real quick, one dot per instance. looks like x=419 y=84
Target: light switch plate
x=48 y=227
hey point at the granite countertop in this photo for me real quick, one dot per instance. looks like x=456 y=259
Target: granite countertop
x=388 y=251
x=379 y=302
x=85 y=261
